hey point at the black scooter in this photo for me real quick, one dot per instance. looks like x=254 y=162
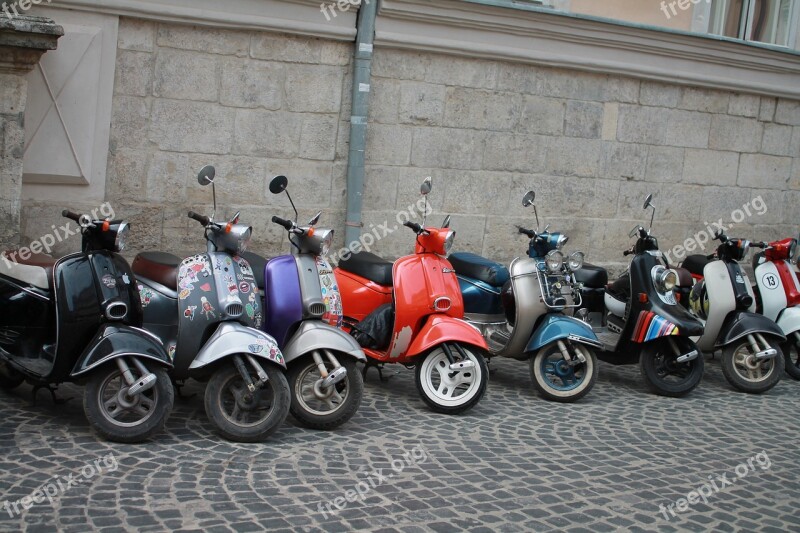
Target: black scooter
x=78 y=319
x=638 y=319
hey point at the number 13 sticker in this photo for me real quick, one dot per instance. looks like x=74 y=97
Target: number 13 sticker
x=770 y=281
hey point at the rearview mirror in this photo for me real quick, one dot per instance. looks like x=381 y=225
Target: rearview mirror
x=315 y=220
x=648 y=202
x=427 y=186
x=278 y=184
x=528 y=199
x=446 y=223
x=206 y=175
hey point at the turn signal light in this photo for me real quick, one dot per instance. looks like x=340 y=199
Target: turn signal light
x=642 y=298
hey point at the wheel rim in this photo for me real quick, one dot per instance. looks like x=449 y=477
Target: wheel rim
x=243 y=408
x=793 y=349
x=316 y=400
x=559 y=375
x=749 y=368
x=446 y=387
x=123 y=410
x=669 y=370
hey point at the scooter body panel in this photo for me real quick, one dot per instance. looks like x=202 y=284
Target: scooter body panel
x=361 y=296
x=116 y=340
x=234 y=338
x=739 y=324
x=316 y=335
x=555 y=327
x=480 y=297
x=283 y=307
x=726 y=285
x=777 y=286
x=438 y=329
x=789 y=320
x=28 y=330
x=529 y=306
x=160 y=313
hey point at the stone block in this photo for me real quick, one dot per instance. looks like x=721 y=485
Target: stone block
x=578 y=157
x=131 y=117
x=13 y=94
x=584 y=119
x=267 y=133
x=400 y=64
x=461 y=72
x=766 y=112
x=186 y=75
x=136 y=34
x=543 y=115
x=688 y=129
x=314 y=89
x=515 y=152
x=248 y=83
x=719 y=202
x=482 y=110
x=466 y=192
x=127 y=175
x=735 y=134
x=744 y=105
x=788 y=112
x=710 y=167
x=318 y=137
x=421 y=103
x=707 y=100
x=764 y=171
x=192 y=127
x=646 y=125
x=384 y=101
x=777 y=140
x=664 y=164
x=447 y=148
x=624 y=90
x=517 y=77
x=380 y=187
x=311 y=181
x=389 y=144
x=625 y=161
x=573 y=85
x=134 y=73
x=659 y=94
x=204 y=39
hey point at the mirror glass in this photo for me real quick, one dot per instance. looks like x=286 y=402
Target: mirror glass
x=278 y=184
x=647 y=201
x=446 y=223
x=427 y=186
x=315 y=220
x=235 y=219
x=206 y=175
x=528 y=199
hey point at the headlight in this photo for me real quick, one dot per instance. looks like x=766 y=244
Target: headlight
x=121 y=239
x=666 y=280
x=562 y=240
x=244 y=240
x=448 y=241
x=554 y=260
x=576 y=261
x=327 y=242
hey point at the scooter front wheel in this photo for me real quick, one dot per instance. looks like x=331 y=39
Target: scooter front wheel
x=663 y=373
x=119 y=417
x=241 y=415
x=558 y=380
x=791 y=356
x=746 y=373
x=318 y=407
x=448 y=390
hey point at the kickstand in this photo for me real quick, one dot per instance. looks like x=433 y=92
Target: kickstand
x=52 y=391
x=379 y=368
x=178 y=388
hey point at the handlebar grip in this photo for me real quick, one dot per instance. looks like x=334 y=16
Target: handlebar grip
x=761 y=245
x=200 y=218
x=527 y=232
x=413 y=225
x=627 y=252
x=66 y=213
x=287 y=224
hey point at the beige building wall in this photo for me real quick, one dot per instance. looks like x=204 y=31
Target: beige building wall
x=638 y=11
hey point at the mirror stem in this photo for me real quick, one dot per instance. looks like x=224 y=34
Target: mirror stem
x=537 y=218
x=214 y=196
x=293 y=207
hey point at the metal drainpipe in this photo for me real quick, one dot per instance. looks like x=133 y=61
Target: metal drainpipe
x=358 y=119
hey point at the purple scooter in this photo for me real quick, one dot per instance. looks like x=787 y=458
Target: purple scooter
x=302 y=311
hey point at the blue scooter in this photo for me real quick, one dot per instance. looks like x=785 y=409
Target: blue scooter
x=519 y=311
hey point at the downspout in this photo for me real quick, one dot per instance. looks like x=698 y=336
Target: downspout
x=358 y=119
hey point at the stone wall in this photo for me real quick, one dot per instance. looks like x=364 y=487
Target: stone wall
x=13 y=90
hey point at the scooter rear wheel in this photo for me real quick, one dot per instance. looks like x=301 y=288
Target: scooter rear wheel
x=10 y=379
x=556 y=380
x=121 y=418
x=328 y=408
x=448 y=391
x=748 y=375
x=241 y=416
x=662 y=372
x=791 y=356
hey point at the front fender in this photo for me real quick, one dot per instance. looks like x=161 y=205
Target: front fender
x=115 y=340
x=317 y=335
x=232 y=338
x=555 y=327
x=442 y=328
x=789 y=320
x=739 y=324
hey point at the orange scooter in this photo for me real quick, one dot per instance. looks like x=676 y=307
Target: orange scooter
x=411 y=312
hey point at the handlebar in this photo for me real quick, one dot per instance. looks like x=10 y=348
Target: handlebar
x=414 y=226
x=628 y=252
x=287 y=224
x=763 y=245
x=527 y=232
x=205 y=221
x=66 y=213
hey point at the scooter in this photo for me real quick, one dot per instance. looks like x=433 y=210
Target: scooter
x=410 y=313
x=640 y=320
x=303 y=312
x=520 y=313
x=723 y=298
x=778 y=296
x=78 y=319
x=206 y=310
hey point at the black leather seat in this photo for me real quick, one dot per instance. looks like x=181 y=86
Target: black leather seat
x=370 y=266
x=695 y=264
x=620 y=289
x=161 y=267
x=592 y=276
x=257 y=263
x=477 y=267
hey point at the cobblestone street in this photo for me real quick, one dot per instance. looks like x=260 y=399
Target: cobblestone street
x=514 y=463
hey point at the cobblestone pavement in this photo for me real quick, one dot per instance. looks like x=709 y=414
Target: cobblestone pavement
x=514 y=463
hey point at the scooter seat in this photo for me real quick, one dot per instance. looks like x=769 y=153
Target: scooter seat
x=258 y=264
x=479 y=268
x=695 y=264
x=620 y=289
x=370 y=266
x=160 y=267
x=592 y=276
x=36 y=270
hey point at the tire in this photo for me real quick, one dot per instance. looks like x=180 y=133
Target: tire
x=433 y=377
x=10 y=378
x=664 y=375
x=556 y=380
x=140 y=419
x=324 y=409
x=224 y=410
x=745 y=374
x=791 y=356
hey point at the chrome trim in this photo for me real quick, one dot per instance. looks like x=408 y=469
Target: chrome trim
x=583 y=340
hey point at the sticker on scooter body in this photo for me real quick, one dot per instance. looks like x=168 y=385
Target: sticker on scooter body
x=770 y=281
x=650 y=326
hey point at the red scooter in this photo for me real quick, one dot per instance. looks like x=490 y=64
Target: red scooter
x=411 y=312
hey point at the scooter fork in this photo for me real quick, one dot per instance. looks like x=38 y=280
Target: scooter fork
x=334 y=376
x=761 y=355
x=682 y=358
x=143 y=384
x=580 y=358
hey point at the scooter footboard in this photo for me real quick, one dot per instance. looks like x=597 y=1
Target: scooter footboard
x=742 y=323
x=113 y=341
x=316 y=335
x=441 y=328
x=234 y=338
x=555 y=327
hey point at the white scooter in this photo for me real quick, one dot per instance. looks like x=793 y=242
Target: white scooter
x=752 y=360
